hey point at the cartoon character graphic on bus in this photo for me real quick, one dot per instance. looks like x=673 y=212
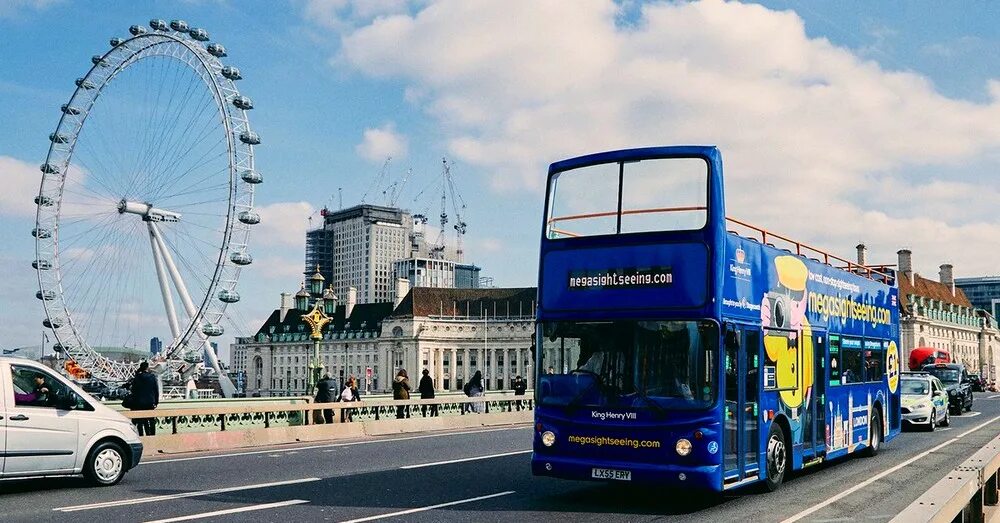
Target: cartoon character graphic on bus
x=788 y=341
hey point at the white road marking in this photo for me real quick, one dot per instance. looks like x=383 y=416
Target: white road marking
x=883 y=474
x=993 y=397
x=167 y=497
x=476 y=458
x=432 y=507
x=972 y=414
x=327 y=445
x=249 y=508
x=944 y=429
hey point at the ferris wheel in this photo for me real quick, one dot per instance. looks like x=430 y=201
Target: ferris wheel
x=146 y=203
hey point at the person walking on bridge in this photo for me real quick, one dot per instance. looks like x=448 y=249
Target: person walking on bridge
x=401 y=391
x=427 y=393
x=144 y=395
x=324 y=394
x=474 y=389
x=519 y=387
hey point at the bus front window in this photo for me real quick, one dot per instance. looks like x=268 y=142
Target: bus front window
x=654 y=364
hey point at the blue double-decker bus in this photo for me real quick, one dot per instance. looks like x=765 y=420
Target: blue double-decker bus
x=677 y=346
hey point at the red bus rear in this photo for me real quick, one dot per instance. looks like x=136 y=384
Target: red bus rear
x=921 y=356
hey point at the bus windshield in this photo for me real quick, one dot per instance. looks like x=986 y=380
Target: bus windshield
x=639 y=364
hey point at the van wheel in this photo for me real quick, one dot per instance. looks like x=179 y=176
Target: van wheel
x=105 y=465
x=874 y=437
x=776 y=457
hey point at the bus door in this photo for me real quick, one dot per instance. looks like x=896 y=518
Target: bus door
x=741 y=420
x=815 y=429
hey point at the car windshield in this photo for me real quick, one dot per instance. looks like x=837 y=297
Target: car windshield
x=638 y=364
x=945 y=375
x=913 y=387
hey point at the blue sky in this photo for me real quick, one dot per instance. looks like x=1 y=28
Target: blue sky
x=878 y=124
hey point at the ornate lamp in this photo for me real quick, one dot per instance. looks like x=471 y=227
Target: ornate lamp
x=316 y=319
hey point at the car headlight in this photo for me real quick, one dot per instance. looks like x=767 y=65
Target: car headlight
x=548 y=438
x=683 y=447
x=919 y=406
x=953 y=392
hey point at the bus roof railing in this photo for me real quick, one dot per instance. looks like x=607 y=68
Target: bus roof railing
x=880 y=273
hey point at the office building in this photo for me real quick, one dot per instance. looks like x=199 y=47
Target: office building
x=155 y=346
x=983 y=292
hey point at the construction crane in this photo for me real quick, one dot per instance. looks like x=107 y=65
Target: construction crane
x=394 y=190
x=378 y=181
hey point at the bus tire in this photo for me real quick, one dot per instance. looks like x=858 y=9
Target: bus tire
x=874 y=437
x=776 y=458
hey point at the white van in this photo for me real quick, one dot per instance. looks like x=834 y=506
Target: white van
x=50 y=426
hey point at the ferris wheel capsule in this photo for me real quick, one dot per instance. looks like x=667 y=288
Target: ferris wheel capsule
x=58 y=138
x=250 y=138
x=115 y=42
x=251 y=176
x=43 y=201
x=98 y=60
x=243 y=102
x=48 y=168
x=229 y=296
x=232 y=73
x=54 y=323
x=69 y=109
x=46 y=295
x=249 y=217
x=137 y=30
x=199 y=34
x=241 y=258
x=179 y=25
x=84 y=84
x=159 y=25
x=217 y=50
x=212 y=329
x=41 y=265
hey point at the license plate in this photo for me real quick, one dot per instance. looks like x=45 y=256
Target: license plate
x=620 y=475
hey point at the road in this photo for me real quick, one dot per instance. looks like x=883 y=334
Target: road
x=483 y=476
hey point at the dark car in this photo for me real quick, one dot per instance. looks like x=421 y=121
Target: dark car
x=977 y=382
x=956 y=380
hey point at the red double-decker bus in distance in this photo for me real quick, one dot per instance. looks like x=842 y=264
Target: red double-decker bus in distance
x=921 y=356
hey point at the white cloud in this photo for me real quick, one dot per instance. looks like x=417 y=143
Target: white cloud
x=15 y=8
x=20 y=180
x=804 y=125
x=379 y=143
x=341 y=14
x=282 y=225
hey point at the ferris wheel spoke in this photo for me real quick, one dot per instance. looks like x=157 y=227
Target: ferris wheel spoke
x=201 y=162
x=174 y=144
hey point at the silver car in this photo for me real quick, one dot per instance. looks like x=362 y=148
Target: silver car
x=924 y=401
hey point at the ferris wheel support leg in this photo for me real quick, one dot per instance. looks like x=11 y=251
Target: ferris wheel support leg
x=228 y=389
x=161 y=276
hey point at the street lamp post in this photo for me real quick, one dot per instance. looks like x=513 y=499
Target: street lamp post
x=316 y=319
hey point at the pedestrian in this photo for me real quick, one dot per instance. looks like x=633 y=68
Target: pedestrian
x=427 y=393
x=401 y=391
x=324 y=394
x=144 y=395
x=349 y=394
x=519 y=387
x=474 y=389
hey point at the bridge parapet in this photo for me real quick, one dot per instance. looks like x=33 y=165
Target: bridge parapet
x=967 y=494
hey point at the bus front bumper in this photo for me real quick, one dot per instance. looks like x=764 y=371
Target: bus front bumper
x=702 y=477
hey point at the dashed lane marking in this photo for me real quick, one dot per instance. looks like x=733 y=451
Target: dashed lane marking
x=248 y=508
x=167 y=497
x=462 y=460
x=431 y=507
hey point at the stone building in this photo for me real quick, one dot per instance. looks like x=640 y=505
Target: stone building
x=450 y=332
x=937 y=314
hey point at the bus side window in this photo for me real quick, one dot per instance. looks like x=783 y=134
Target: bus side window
x=853 y=361
x=874 y=360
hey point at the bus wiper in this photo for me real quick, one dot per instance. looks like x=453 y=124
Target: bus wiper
x=597 y=383
x=654 y=406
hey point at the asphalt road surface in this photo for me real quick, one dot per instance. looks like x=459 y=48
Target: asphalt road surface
x=481 y=475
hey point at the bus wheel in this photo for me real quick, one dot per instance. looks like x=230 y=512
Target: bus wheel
x=777 y=457
x=875 y=437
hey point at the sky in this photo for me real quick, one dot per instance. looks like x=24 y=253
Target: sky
x=837 y=125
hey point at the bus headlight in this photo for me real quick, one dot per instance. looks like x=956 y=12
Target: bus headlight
x=548 y=438
x=683 y=447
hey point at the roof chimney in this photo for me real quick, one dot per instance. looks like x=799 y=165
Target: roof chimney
x=352 y=300
x=286 y=305
x=862 y=254
x=905 y=264
x=402 y=289
x=947 y=277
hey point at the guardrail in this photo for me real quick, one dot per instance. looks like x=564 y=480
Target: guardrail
x=967 y=494
x=234 y=425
